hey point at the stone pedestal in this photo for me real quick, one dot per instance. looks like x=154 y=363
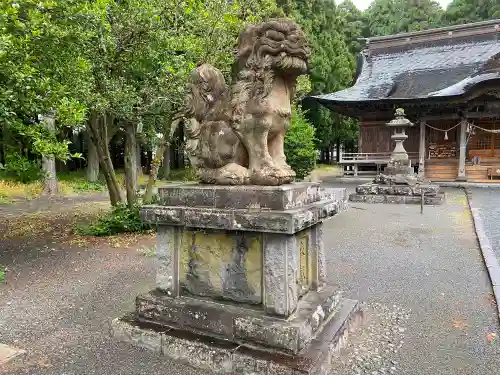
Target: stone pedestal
x=403 y=194
x=242 y=280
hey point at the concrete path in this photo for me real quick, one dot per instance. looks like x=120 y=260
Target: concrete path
x=488 y=203
x=58 y=299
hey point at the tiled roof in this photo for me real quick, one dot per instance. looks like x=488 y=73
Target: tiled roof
x=436 y=67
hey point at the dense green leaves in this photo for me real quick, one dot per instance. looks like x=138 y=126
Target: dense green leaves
x=396 y=16
x=300 y=150
x=466 y=11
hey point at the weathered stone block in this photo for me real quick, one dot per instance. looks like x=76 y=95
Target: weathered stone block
x=240 y=324
x=281 y=264
x=221 y=264
x=222 y=357
x=397 y=199
x=167 y=253
x=278 y=198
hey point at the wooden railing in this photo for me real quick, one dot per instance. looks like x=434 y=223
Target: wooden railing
x=370 y=157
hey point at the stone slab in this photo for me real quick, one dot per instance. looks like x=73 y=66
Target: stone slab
x=242 y=325
x=7 y=353
x=221 y=357
x=279 y=198
x=397 y=199
x=289 y=221
x=404 y=190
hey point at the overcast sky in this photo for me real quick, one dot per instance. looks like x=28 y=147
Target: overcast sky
x=363 y=4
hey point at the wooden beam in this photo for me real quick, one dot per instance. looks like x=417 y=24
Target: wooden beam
x=463 y=150
x=421 y=150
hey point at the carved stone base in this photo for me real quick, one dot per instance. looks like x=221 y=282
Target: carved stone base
x=245 y=325
x=223 y=357
x=404 y=194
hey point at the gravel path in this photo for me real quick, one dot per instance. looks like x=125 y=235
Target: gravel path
x=400 y=261
x=488 y=202
x=429 y=305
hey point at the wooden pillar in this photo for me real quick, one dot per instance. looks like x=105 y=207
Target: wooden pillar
x=421 y=150
x=463 y=150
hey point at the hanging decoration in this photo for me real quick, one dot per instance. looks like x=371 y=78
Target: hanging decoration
x=445 y=135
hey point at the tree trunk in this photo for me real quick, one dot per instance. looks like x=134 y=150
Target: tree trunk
x=97 y=129
x=156 y=162
x=131 y=163
x=138 y=159
x=49 y=162
x=337 y=158
x=166 y=163
x=92 y=170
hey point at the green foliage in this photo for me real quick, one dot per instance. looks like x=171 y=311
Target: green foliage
x=121 y=219
x=188 y=173
x=467 y=11
x=2 y=274
x=332 y=66
x=75 y=182
x=21 y=169
x=387 y=17
x=299 y=144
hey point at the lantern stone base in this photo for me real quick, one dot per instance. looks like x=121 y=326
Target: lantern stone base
x=241 y=282
x=403 y=194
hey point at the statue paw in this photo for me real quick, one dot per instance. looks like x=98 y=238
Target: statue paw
x=231 y=174
x=270 y=175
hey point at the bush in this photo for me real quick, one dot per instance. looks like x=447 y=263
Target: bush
x=21 y=169
x=299 y=144
x=121 y=219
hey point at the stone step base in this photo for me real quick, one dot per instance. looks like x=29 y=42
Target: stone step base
x=397 y=199
x=243 y=325
x=223 y=357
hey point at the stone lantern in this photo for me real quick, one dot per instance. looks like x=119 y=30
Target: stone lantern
x=398 y=183
x=399 y=163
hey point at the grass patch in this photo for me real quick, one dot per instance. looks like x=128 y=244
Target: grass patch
x=183 y=174
x=5 y=199
x=147 y=251
x=121 y=219
x=75 y=182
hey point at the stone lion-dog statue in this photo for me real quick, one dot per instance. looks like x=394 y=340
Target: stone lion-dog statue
x=235 y=136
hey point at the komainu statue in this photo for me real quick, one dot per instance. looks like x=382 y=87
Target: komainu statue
x=235 y=136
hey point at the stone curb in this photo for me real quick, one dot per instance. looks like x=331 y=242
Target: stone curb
x=490 y=259
x=466 y=185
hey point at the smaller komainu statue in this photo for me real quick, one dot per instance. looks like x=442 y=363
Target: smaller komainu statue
x=235 y=136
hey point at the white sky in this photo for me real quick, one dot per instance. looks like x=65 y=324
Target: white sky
x=363 y=4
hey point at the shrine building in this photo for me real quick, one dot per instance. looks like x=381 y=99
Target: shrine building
x=448 y=82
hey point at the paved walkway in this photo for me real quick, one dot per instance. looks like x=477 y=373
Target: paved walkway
x=488 y=202
x=398 y=260
x=57 y=304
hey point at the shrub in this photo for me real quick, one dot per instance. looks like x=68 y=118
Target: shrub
x=21 y=169
x=121 y=219
x=2 y=274
x=299 y=144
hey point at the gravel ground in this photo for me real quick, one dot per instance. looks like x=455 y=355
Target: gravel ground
x=428 y=298
x=488 y=201
x=424 y=280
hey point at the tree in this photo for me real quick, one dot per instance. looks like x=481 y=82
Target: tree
x=386 y=17
x=466 y=11
x=41 y=77
x=331 y=63
x=355 y=26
